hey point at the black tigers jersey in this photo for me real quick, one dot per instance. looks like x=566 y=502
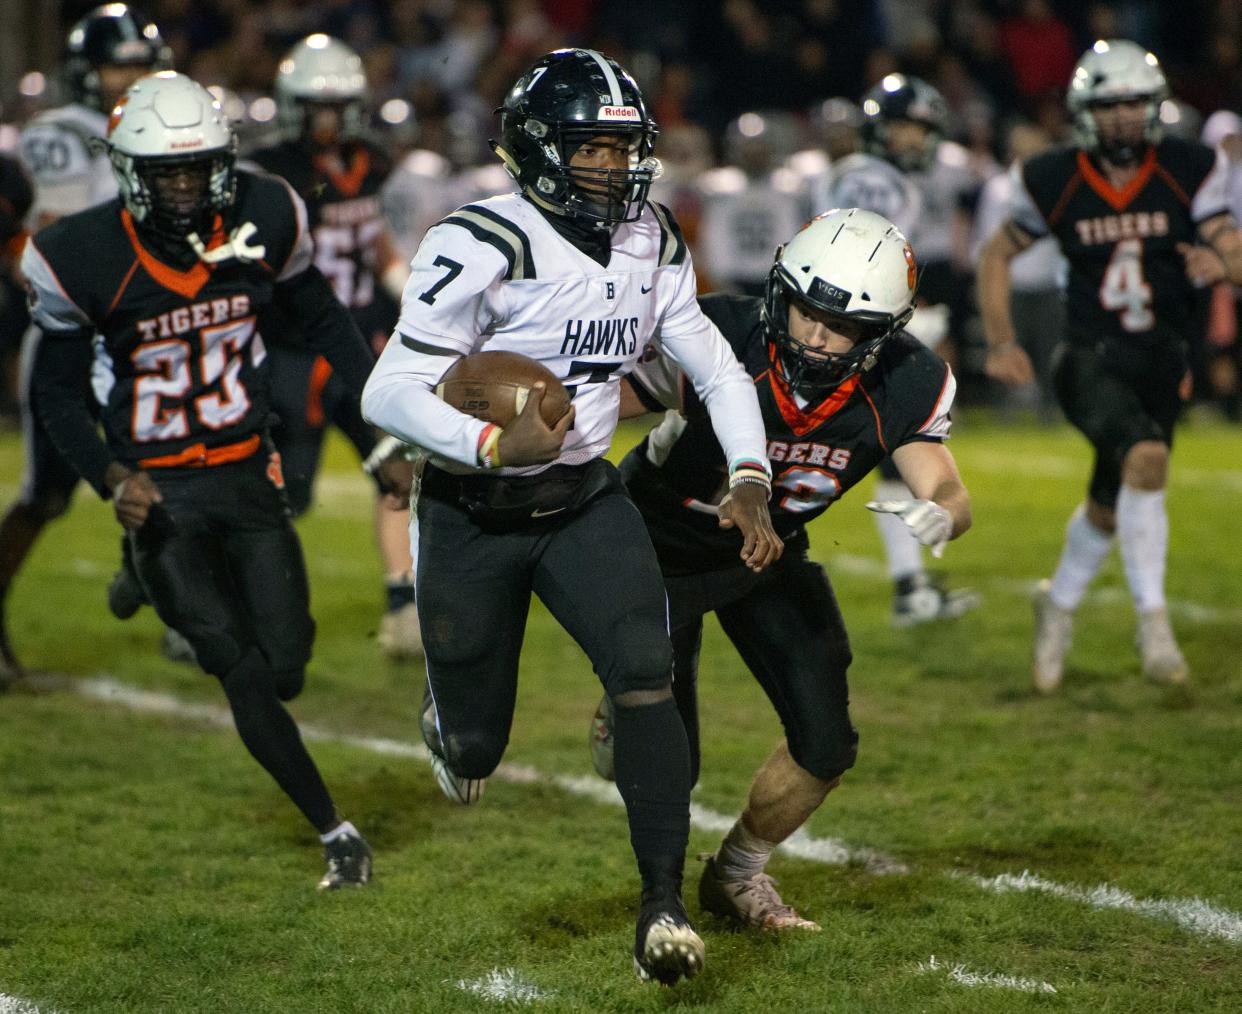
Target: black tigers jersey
x=178 y=358
x=817 y=450
x=1127 y=282
x=342 y=198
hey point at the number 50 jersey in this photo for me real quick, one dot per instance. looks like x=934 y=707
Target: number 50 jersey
x=1127 y=281
x=817 y=450
x=178 y=360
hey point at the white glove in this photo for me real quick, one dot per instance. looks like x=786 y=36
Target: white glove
x=927 y=520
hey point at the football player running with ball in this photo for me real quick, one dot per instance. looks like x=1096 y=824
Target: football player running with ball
x=178 y=267
x=1143 y=220
x=579 y=272
x=842 y=387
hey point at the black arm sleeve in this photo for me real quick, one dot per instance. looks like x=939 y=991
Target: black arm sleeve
x=327 y=326
x=329 y=329
x=62 y=364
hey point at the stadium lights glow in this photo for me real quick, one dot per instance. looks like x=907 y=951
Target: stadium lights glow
x=395 y=111
x=317 y=41
x=891 y=82
x=750 y=124
x=32 y=85
x=262 y=109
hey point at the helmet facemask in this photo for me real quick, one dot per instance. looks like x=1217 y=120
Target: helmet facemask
x=174 y=196
x=1121 y=148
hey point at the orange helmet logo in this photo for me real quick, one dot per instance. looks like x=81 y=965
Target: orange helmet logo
x=912 y=269
x=117 y=110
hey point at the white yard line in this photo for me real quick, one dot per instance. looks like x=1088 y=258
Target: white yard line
x=504 y=985
x=1193 y=914
x=16 y=1005
x=995 y=980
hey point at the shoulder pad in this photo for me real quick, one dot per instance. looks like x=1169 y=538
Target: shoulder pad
x=487 y=226
x=672 y=243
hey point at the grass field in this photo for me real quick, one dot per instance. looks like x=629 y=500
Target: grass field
x=147 y=864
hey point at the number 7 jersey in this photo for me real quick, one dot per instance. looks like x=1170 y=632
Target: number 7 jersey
x=1127 y=281
x=178 y=359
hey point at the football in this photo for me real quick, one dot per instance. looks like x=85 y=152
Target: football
x=494 y=386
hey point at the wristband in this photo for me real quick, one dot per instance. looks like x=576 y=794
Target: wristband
x=489 y=446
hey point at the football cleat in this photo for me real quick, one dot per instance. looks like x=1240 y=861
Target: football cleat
x=459 y=790
x=753 y=902
x=349 y=862
x=1054 y=633
x=920 y=599
x=175 y=648
x=600 y=740
x=400 y=637
x=666 y=948
x=1163 y=662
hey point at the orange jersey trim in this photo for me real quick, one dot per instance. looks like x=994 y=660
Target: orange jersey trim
x=350 y=181
x=799 y=421
x=1117 y=199
x=184 y=283
x=202 y=456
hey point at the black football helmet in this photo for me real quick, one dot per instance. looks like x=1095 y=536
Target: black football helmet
x=898 y=97
x=564 y=99
x=112 y=34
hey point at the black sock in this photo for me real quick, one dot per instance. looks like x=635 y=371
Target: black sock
x=400 y=593
x=272 y=737
x=652 y=762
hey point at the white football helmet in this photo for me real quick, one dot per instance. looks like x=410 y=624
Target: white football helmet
x=321 y=70
x=854 y=266
x=1114 y=70
x=167 y=123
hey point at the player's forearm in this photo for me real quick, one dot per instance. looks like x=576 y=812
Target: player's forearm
x=953 y=497
x=328 y=326
x=1228 y=245
x=992 y=291
x=60 y=370
x=399 y=398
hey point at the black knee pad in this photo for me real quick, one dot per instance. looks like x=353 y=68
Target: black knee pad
x=250 y=676
x=642 y=663
x=289 y=683
x=826 y=757
x=473 y=754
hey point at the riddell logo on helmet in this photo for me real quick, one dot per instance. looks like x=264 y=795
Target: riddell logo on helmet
x=195 y=143
x=618 y=113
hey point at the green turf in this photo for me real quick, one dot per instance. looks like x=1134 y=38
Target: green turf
x=147 y=864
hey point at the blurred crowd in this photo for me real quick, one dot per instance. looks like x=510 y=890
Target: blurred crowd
x=752 y=97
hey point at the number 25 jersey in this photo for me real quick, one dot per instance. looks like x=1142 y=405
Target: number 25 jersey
x=1127 y=281
x=178 y=360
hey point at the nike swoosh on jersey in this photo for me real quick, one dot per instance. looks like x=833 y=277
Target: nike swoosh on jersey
x=645 y=289
x=541 y=513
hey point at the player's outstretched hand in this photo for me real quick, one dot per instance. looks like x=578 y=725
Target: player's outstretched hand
x=133 y=497
x=528 y=440
x=746 y=507
x=1203 y=264
x=1009 y=364
x=927 y=520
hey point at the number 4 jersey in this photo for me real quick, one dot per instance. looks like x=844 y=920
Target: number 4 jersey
x=1127 y=283
x=178 y=361
x=817 y=450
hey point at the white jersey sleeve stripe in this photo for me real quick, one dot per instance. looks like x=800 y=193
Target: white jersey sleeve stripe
x=303 y=250
x=506 y=237
x=1212 y=197
x=937 y=424
x=51 y=307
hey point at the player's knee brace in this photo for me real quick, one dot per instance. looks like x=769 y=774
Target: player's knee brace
x=289 y=683
x=474 y=753
x=644 y=663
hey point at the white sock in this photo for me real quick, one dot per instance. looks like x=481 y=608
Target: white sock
x=1086 y=548
x=1143 y=534
x=341 y=829
x=742 y=855
x=902 y=549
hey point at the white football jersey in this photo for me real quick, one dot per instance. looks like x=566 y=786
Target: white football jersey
x=496 y=275
x=417 y=194
x=743 y=221
x=869 y=182
x=70 y=175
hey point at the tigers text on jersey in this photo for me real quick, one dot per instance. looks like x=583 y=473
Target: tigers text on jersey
x=817 y=451
x=70 y=174
x=496 y=275
x=343 y=206
x=1127 y=281
x=180 y=361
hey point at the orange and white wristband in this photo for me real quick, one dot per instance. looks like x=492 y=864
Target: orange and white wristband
x=489 y=446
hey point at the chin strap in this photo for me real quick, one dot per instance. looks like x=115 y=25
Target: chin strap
x=238 y=246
